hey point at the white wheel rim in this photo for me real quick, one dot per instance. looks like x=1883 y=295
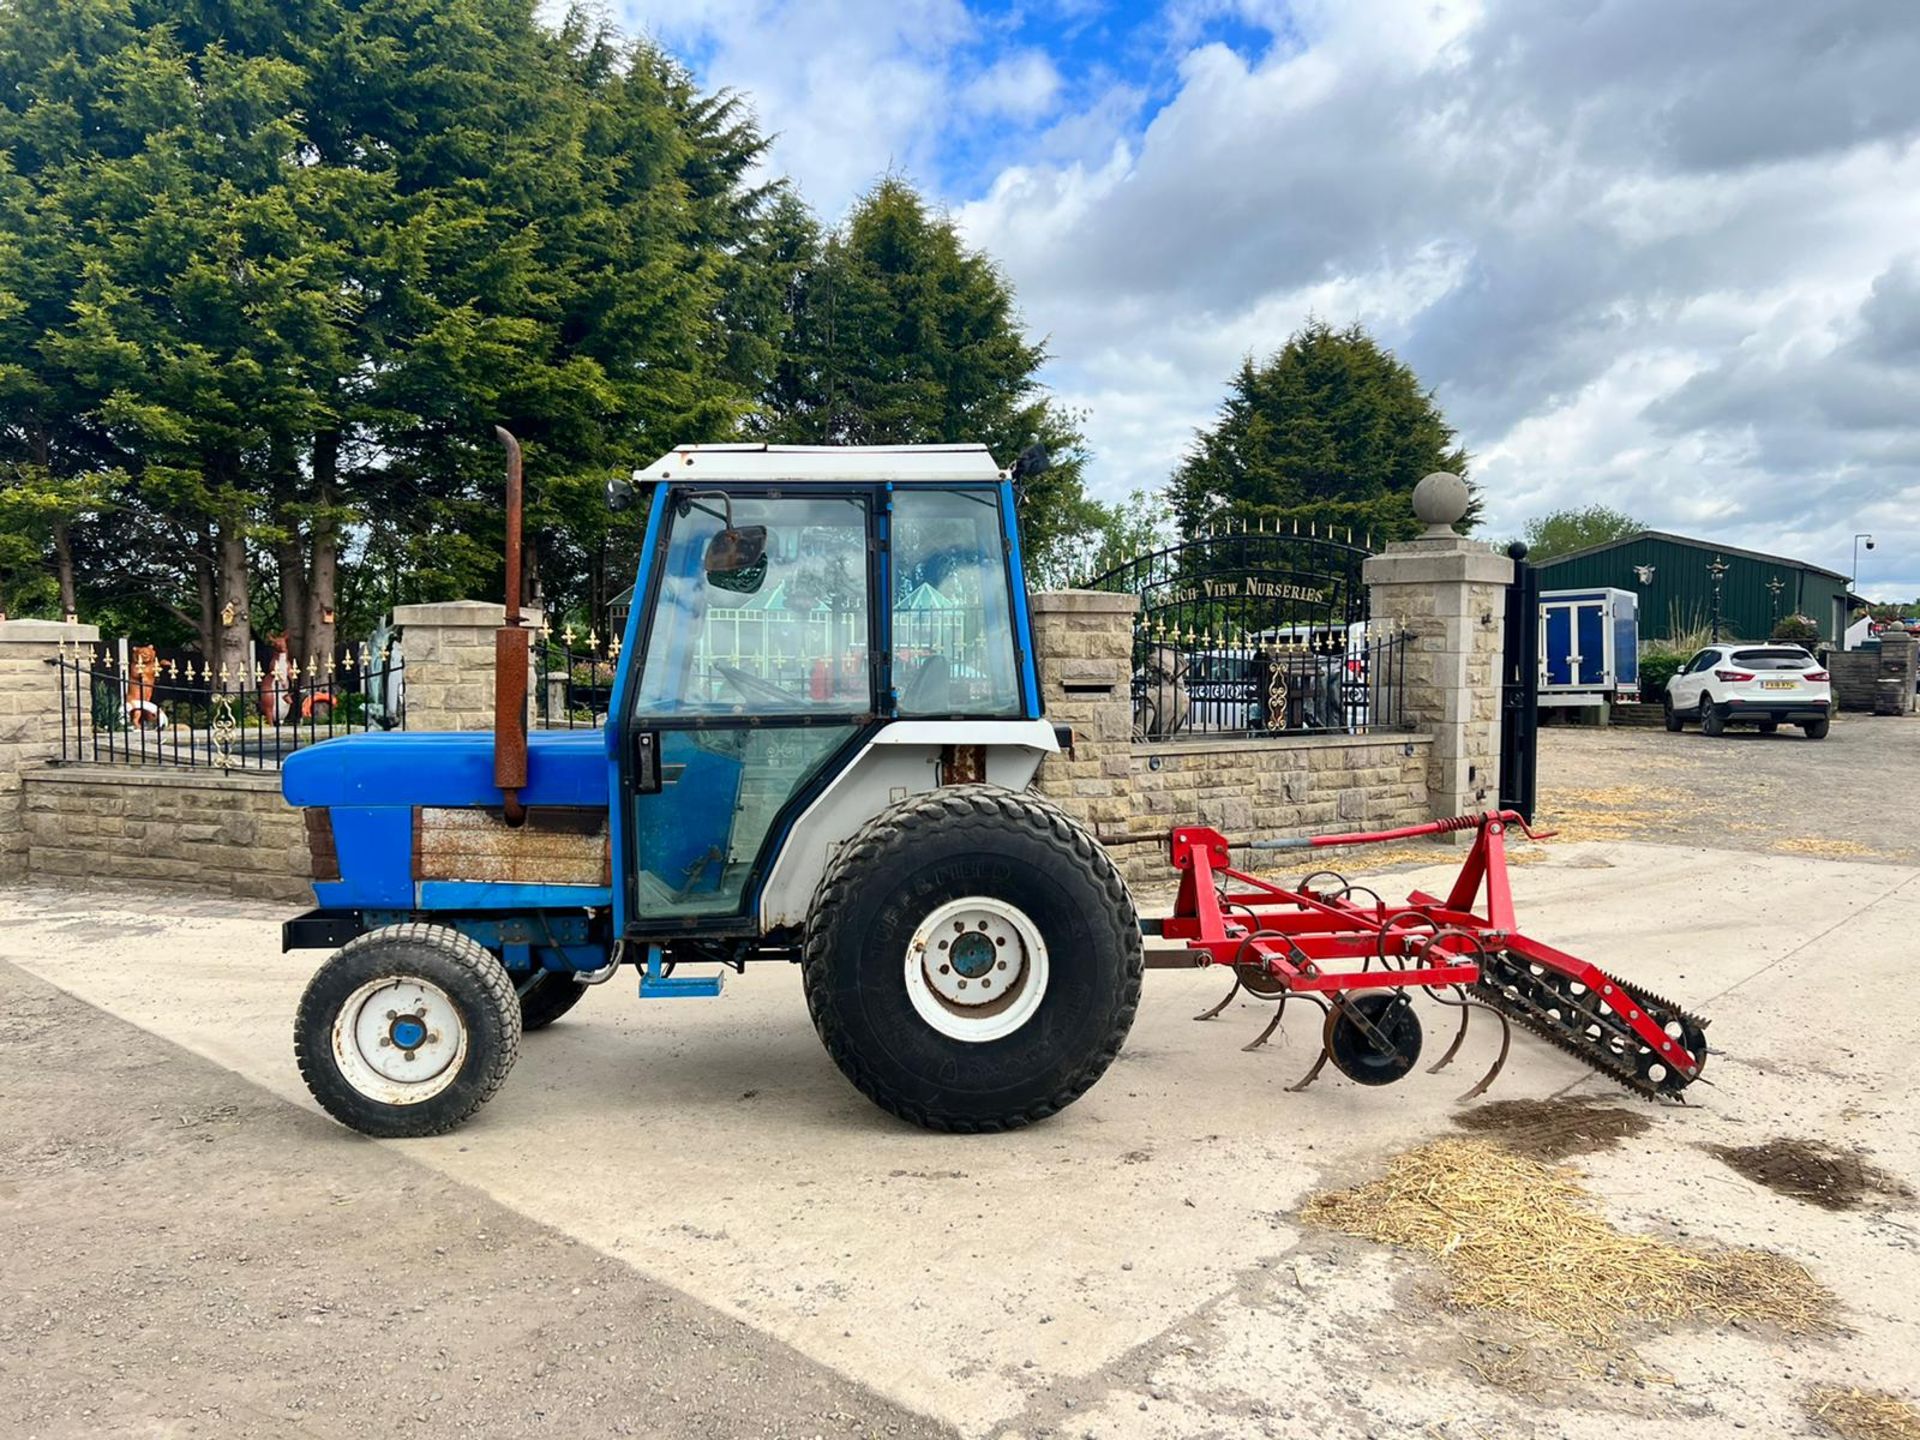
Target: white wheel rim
x=399 y=1040
x=976 y=969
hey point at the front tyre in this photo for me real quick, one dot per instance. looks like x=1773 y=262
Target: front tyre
x=407 y=1031
x=972 y=960
x=1670 y=715
x=546 y=995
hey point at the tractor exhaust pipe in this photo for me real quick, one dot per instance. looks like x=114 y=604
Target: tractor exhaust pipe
x=510 y=658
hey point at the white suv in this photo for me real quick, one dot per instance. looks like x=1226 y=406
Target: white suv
x=1762 y=685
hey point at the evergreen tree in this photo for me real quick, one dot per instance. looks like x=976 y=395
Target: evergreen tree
x=1332 y=431
x=270 y=270
x=900 y=335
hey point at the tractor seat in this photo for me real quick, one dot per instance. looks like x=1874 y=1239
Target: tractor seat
x=930 y=691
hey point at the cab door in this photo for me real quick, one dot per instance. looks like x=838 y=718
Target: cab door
x=756 y=683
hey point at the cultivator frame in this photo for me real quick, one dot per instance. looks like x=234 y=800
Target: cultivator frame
x=1299 y=944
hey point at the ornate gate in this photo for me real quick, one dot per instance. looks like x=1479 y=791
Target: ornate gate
x=1251 y=630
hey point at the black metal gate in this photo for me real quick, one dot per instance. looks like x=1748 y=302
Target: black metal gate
x=1257 y=630
x=1520 y=689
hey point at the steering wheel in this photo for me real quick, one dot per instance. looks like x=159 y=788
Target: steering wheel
x=752 y=687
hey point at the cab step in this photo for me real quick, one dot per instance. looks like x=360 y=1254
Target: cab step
x=656 y=984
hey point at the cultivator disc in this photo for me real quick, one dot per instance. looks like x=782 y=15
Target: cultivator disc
x=1299 y=944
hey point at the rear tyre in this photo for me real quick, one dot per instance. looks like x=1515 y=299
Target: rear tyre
x=407 y=1031
x=1711 y=720
x=972 y=960
x=1668 y=713
x=1817 y=729
x=545 y=996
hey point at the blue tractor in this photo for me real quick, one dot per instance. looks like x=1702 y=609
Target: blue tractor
x=818 y=750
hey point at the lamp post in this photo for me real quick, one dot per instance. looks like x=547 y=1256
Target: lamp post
x=1718 y=570
x=1853 y=574
x=1776 y=585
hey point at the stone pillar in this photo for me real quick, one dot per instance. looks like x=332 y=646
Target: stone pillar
x=1450 y=593
x=29 y=719
x=1083 y=648
x=446 y=650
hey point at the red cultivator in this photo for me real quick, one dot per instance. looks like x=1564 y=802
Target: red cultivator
x=1302 y=944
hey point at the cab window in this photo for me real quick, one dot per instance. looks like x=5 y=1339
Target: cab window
x=953 y=645
x=784 y=631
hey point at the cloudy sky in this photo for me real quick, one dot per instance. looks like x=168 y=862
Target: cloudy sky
x=1663 y=254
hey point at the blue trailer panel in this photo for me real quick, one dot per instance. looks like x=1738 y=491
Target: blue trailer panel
x=1589 y=646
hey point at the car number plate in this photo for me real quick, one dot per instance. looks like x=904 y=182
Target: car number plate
x=1778 y=684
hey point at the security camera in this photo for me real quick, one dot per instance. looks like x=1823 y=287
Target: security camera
x=1869 y=544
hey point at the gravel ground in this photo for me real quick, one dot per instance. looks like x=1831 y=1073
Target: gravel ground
x=182 y=1259
x=1853 y=796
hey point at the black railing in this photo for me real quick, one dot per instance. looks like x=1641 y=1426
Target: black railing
x=572 y=679
x=178 y=710
x=1221 y=684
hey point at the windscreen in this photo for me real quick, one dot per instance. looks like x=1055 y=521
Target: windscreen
x=1781 y=659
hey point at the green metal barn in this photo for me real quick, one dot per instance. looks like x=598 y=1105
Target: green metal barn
x=1672 y=574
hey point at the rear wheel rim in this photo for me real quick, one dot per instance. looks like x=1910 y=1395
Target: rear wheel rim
x=399 y=1040
x=976 y=969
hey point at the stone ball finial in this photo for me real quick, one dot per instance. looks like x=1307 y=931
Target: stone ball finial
x=1440 y=500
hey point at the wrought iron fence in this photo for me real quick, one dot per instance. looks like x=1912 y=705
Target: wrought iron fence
x=155 y=709
x=572 y=678
x=1229 y=683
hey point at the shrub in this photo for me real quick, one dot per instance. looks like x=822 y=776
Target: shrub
x=1656 y=668
x=1800 y=629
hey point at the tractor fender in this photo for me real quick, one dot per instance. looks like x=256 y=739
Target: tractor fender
x=902 y=759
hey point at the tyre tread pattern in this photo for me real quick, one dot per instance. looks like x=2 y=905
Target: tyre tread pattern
x=962 y=805
x=468 y=954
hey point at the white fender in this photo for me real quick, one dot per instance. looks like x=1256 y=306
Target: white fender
x=902 y=760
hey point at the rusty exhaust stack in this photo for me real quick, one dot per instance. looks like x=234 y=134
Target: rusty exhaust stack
x=510 y=659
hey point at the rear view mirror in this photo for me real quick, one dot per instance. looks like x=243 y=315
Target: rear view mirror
x=619 y=494
x=736 y=559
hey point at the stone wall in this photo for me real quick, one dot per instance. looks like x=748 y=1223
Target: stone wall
x=1130 y=795
x=29 y=721
x=1251 y=788
x=1857 y=673
x=231 y=834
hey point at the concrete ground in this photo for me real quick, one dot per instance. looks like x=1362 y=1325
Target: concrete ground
x=677 y=1219
x=1852 y=796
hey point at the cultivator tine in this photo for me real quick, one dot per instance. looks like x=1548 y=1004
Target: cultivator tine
x=1209 y=1014
x=1326 y=1052
x=1499 y=1061
x=1272 y=1025
x=1459 y=1036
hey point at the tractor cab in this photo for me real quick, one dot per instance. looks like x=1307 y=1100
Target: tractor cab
x=783 y=622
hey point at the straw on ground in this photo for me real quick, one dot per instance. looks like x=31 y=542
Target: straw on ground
x=1519 y=1236
x=1861 y=1414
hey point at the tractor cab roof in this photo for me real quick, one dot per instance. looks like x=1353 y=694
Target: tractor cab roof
x=825 y=464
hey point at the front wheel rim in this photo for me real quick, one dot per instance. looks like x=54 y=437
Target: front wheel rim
x=976 y=969
x=399 y=1040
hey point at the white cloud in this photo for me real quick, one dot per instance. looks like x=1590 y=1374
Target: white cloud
x=1647 y=254
x=852 y=88
x=1023 y=86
